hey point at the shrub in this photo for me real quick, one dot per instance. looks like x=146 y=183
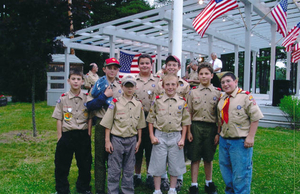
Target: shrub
x=290 y=106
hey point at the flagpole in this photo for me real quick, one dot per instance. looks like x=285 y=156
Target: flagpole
x=242 y=18
x=260 y=20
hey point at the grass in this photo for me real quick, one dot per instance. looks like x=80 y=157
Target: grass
x=27 y=163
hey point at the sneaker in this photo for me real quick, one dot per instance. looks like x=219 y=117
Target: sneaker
x=194 y=190
x=150 y=182
x=136 y=181
x=211 y=188
x=157 y=192
x=179 y=184
x=172 y=192
x=165 y=184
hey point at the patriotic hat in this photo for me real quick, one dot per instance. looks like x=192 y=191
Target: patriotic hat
x=128 y=79
x=111 y=61
x=173 y=58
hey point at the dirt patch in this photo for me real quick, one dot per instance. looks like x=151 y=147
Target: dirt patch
x=22 y=136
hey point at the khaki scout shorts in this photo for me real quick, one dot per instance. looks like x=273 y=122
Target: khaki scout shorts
x=202 y=145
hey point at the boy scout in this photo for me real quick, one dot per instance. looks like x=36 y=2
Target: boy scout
x=193 y=76
x=123 y=121
x=145 y=92
x=172 y=67
x=91 y=77
x=238 y=120
x=98 y=106
x=73 y=133
x=169 y=116
x=202 y=101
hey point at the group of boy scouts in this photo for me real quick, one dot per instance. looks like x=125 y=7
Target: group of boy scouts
x=160 y=115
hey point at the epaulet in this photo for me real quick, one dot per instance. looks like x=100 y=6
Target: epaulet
x=86 y=94
x=87 y=74
x=244 y=92
x=115 y=100
x=218 y=88
x=195 y=87
x=119 y=82
x=64 y=94
x=157 y=97
x=156 y=76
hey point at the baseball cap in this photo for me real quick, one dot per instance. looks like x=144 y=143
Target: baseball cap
x=128 y=79
x=173 y=58
x=111 y=61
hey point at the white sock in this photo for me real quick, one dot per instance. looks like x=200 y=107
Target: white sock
x=180 y=177
x=139 y=175
x=194 y=184
x=172 y=189
x=164 y=176
x=157 y=191
x=207 y=182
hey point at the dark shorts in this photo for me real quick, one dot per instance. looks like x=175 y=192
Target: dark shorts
x=202 y=145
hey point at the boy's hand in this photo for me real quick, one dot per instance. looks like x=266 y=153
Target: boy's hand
x=249 y=142
x=137 y=146
x=154 y=140
x=58 y=137
x=108 y=92
x=190 y=136
x=180 y=144
x=216 y=141
x=108 y=147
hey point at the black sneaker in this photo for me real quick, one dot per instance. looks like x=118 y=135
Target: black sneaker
x=165 y=184
x=211 y=188
x=194 y=190
x=150 y=182
x=136 y=181
x=179 y=185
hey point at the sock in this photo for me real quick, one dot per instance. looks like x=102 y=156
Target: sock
x=172 y=189
x=164 y=176
x=194 y=184
x=207 y=182
x=180 y=177
x=139 y=176
x=157 y=191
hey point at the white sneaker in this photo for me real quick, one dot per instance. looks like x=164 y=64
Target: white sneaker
x=172 y=192
x=159 y=192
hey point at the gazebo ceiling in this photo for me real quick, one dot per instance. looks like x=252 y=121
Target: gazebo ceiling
x=144 y=32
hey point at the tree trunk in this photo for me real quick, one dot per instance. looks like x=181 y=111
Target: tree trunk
x=33 y=104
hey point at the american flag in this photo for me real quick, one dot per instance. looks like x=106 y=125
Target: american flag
x=279 y=15
x=296 y=53
x=214 y=9
x=129 y=64
x=291 y=37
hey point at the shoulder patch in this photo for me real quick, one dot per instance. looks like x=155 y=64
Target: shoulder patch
x=115 y=100
x=194 y=87
x=64 y=94
x=218 y=88
x=158 y=76
x=86 y=94
x=87 y=74
x=157 y=97
x=119 y=82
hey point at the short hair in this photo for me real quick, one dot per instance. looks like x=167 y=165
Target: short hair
x=214 y=54
x=205 y=65
x=91 y=66
x=75 y=72
x=230 y=74
x=194 y=62
x=144 y=56
x=169 y=77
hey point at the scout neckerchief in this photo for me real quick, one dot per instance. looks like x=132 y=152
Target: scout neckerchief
x=225 y=108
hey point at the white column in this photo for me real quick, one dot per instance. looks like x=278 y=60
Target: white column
x=272 y=61
x=247 y=58
x=170 y=28
x=112 y=46
x=253 y=72
x=67 y=69
x=298 y=80
x=158 y=56
x=210 y=44
x=288 y=66
x=177 y=30
x=236 y=60
x=183 y=61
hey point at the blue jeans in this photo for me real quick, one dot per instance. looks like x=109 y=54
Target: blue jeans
x=235 y=165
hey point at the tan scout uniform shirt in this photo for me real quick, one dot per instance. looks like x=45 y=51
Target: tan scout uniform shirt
x=90 y=79
x=117 y=92
x=124 y=117
x=202 y=102
x=242 y=111
x=194 y=76
x=182 y=90
x=146 y=91
x=169 y=114
x=72 y=111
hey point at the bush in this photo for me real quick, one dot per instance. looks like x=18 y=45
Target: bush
x=290 y=106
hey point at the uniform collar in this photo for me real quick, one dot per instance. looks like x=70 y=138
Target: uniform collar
x=210 y=87
x=138 y=77
x=165 y=97
x=71 y=95
x=234 y=93
x=116 y=80
x=90 y=72
x=124 y=101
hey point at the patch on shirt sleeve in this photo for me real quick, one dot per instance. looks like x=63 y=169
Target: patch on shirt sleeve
x=58 y=101
x=252 y=99
x=111 y=106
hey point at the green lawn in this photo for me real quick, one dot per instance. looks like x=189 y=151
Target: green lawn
x=27 y=163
